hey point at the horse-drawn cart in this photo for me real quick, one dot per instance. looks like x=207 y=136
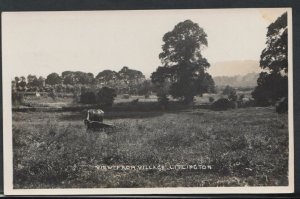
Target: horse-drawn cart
x=94 y=120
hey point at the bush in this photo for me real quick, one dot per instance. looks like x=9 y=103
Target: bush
x=106 y=96
x=271 y=87
x=230 y=92
x=246 y=103
x=163 y=100
x=261 y=97
x=88 y=97
x=211 y=99
x=250 y=103
x=241 y=97
x=233 y=96
x=135 y=101
x=222 y=104
x=126 y=96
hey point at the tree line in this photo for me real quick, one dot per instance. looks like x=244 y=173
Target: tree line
x=124 y=81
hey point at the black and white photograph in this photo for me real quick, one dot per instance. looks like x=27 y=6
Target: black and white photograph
x=148 y=101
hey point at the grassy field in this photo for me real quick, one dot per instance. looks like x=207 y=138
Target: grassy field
x=244 y=147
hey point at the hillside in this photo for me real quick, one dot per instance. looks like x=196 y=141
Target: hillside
x=232 y=68
x=248 y=80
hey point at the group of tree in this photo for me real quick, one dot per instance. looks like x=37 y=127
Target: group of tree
x=20 y=83
x=272 y=84
x=125 y=81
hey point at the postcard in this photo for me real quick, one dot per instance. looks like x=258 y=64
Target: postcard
x=184 y=101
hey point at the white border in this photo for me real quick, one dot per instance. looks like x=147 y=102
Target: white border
x=291 y=100
x=7 y=143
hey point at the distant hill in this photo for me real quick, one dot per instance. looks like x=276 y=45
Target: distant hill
x=248 y=80
x=232 y=68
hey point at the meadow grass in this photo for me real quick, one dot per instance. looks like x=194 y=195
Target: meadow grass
x=246 y=147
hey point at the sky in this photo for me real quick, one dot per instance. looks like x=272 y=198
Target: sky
x=40 y=43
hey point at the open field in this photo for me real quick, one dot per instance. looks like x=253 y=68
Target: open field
x=47 y=103
x=245 y=147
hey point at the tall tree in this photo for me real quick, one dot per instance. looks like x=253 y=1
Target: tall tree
x=41 y=82
x=128 y=79
x=275 y=56
x=22 y=84
x=107 y=77
x=77 y=77
x=68 y=77
x=130 y=76
x=32 y=81
x=53 y=79
x=272 y=84
x=183 y=64
x=84 y=78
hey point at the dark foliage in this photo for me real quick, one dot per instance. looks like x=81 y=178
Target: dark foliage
x=144 y=88
x=230 y=92
x=53 y=79
x=125 y=81
x=77 y=77
x=275 y=56
x=222 y=104
x=163 y=100
x=53 y=94
x=88 y=97
x=183 y=65
x=107 y=76
x=282 y=106
x=227 y=90
x=250 y=103
x=233 y=96
x=273 y=85
x=106 y=96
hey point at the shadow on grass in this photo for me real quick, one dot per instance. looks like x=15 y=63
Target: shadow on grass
x=74 y=116
x=119 y=110
x=131 y=110
x=173 y=106
x=132 y=115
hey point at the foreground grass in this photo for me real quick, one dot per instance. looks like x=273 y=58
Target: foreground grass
x=246 y=147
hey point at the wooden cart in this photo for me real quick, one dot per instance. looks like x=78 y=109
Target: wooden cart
x=96 y=125
x=94 y=120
